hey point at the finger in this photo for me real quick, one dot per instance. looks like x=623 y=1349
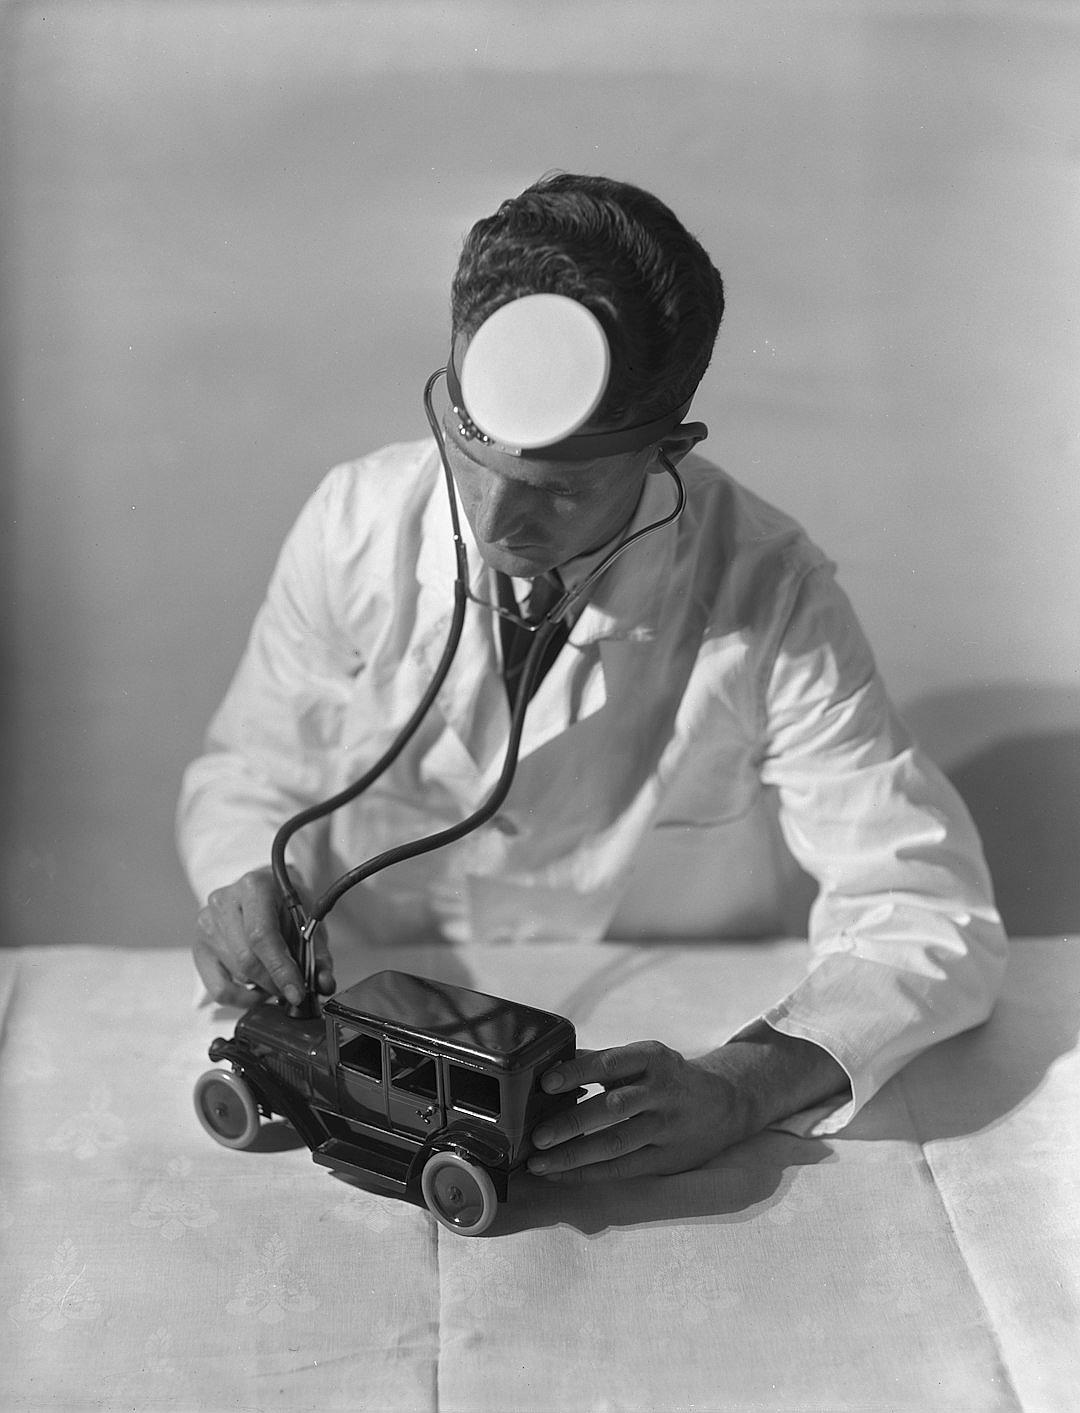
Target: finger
x=219 y=984
x=598 y=1067
x=605 y=1146
x=643 y=1162
x=612 y=1107
x=317 y=967
x=255 y=977
x=220 y=930
x=262 y=933
x=320 y=968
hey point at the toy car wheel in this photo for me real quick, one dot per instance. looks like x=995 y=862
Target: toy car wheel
x=459 y=1194
x=226 y=1108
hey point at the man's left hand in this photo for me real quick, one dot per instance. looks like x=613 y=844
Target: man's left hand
x=661 y=1113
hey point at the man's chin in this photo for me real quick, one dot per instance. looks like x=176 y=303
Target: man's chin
x=524 y=562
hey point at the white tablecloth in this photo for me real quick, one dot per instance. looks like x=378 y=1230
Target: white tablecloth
x=929 y=1258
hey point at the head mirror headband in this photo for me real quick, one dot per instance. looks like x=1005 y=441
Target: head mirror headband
x=534 y=373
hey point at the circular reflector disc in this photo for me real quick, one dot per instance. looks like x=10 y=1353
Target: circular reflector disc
x=535 y=370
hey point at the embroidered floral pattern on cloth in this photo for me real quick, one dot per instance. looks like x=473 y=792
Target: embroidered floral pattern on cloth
x=146 y=1267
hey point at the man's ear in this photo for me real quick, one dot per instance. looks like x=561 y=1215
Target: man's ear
x=679 y=443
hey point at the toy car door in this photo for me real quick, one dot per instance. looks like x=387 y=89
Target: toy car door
x=360 y=1073
x=412 y=1089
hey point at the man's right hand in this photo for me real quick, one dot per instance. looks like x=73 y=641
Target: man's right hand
x=241 y=944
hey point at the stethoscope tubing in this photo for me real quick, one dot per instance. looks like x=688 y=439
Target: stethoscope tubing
x=379 y=767
x=306 y=921
x=479 y=816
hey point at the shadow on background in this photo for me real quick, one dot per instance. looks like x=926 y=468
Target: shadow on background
x=1013 y=752
x=976 y=1080
x=1024 y=794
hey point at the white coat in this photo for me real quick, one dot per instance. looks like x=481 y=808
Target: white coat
x=715 y=717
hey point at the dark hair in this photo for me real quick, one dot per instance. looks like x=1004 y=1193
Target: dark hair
x=625 y=256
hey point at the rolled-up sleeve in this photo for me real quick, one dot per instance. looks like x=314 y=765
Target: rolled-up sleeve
x=906 y=944
x=270 y=746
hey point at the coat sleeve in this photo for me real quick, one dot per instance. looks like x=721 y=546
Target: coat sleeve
x=271 y=745
x=906 y=944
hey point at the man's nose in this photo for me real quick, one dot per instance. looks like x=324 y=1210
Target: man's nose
x=498 y=512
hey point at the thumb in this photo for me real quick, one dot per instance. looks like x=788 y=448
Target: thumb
x=324 y=966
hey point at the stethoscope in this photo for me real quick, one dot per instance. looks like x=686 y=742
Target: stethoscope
x=523 y=413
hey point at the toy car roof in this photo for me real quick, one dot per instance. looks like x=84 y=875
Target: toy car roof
x=409 y=1007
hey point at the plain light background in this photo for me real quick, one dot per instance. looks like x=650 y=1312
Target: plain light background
x=228 y=231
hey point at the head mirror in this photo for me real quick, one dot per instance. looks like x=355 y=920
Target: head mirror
x=535 y=371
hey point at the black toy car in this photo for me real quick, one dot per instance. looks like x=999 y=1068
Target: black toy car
x=423 y=1089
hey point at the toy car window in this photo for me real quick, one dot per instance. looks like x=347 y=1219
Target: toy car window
x=478 y=1093
x=412 y=1071
x=360 y=1052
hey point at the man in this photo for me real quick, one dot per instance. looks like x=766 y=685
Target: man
x=713 y=715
